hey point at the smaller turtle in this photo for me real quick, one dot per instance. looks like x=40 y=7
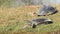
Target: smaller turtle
x=39 y=21
x=47 y=10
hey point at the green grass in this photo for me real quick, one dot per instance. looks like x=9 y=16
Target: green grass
x=13 y=19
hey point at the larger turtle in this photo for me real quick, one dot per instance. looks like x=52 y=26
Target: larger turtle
x=39 y=21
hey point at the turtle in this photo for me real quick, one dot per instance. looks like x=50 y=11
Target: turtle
x=47 y=10
x=39 y=21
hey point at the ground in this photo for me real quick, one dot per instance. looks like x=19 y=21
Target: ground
x=12 y=21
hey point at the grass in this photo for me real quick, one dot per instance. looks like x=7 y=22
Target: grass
x=13 y=19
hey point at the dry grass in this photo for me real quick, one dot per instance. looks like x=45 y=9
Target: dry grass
x=13 y=19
